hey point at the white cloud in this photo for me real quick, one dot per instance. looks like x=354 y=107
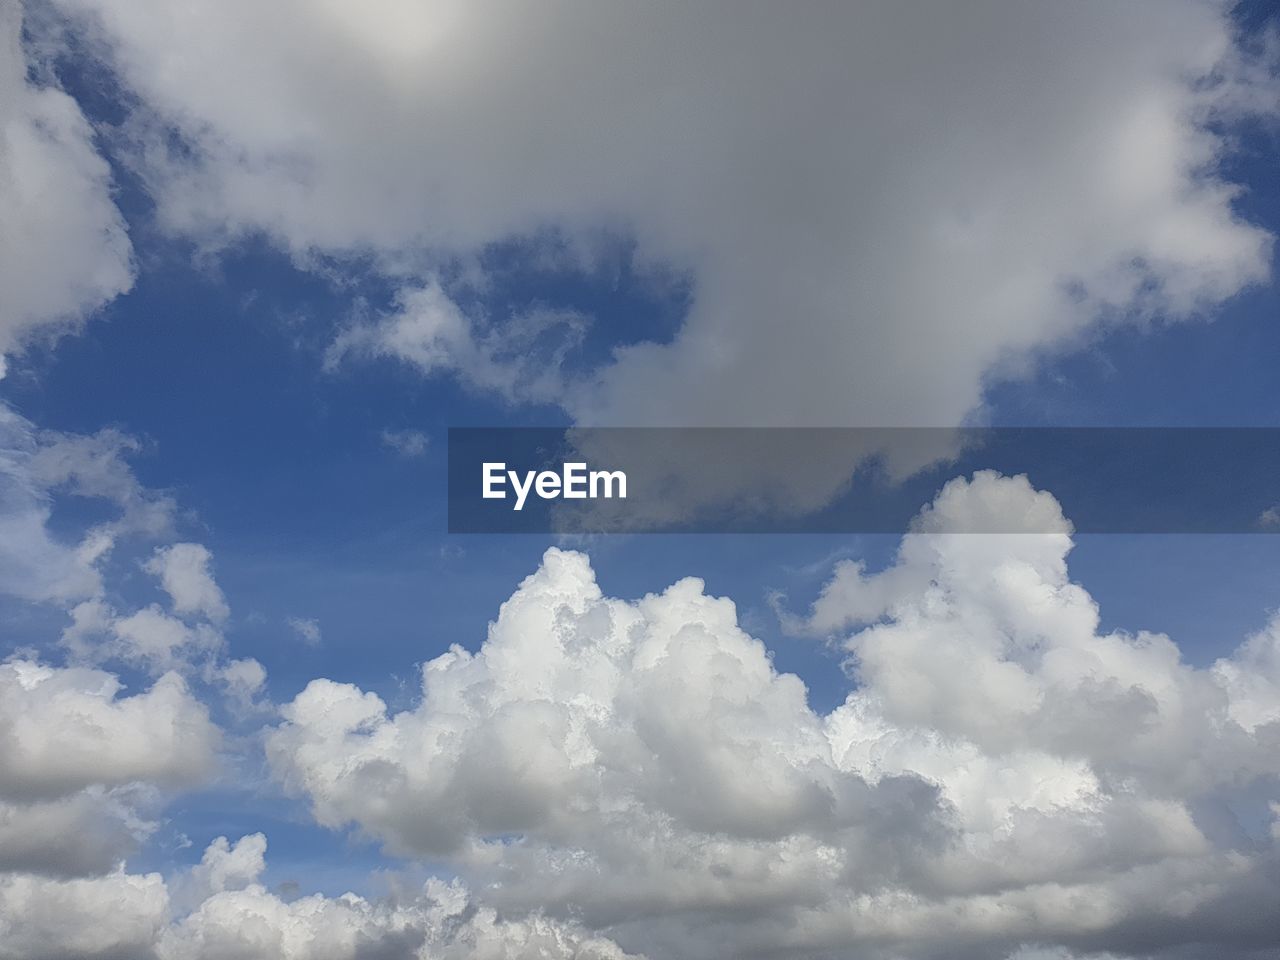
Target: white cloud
x=40 y=470
x=160 y=641
x=606 y=774
x=148 y=638
x=153 y=638
x=83 y=769
x=234 y=915
x=119 y=915
x=65 y=729
x=63 y=246
x=1003 y=773
x=1252 y=678
x=183 y=569
x=863 y=196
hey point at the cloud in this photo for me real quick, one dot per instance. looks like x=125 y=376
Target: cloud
x=240 y=918
x=119 y=915
x=84 y=834
x=244 y=681
x=1003 y=773
x=183 y=569
x=66 y=729
x=152 y=639
x=234 y=915
x=39 y=466
x=1252 y=678
x=186 y=639
x=407 y=443
x=307 y=630
x=64 y=250
x=42 y=471
x=863 y=197
x=83 y=769
x=519 y=359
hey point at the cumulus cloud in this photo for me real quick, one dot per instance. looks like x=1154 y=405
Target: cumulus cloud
x=65 y=729
x=119 y=915
x=82 y=768
x=64 y=250
x=133 y=915
x=1003 y=774
x=84 y=834
x=861 y=189
x=241 y=918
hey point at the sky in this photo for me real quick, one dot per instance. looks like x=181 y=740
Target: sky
x=257 y=258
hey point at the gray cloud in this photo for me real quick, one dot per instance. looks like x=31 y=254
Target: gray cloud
x=63 y=246
x=878 y=206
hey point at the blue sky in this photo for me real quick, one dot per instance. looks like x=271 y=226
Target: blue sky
x=216 y=360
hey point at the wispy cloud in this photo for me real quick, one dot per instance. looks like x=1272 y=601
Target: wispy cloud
x=307 y=630
x=408 y=443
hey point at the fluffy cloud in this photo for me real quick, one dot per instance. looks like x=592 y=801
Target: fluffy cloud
x=63 y=246
x=183 y=569
x=119 y=915
x=65 y=729
x=160 y=643
x=80 y=767
x=85 y=834
x=240 y=918
x=860 y=189
x=131 y=915
x=1002 y=774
